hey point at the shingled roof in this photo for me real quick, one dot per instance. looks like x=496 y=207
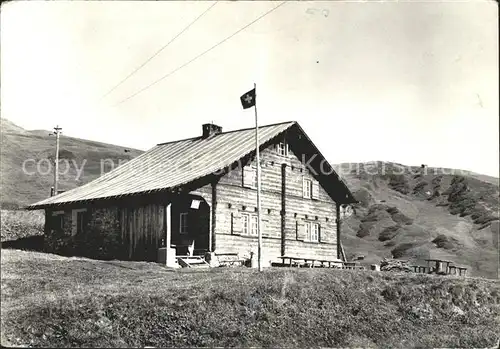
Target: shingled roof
x=174 y=164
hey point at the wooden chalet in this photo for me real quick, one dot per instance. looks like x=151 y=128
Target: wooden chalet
x=201 y=193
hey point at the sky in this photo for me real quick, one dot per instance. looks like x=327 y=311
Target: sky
x=411 y=82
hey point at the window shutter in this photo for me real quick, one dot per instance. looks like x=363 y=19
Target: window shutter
x=323 y=236
x=304 y=186
x=236 y=225
x=287 y=149
x=245 y=176
x=315 y=190
x=301 y=230
x=249 y=176
x=263 y=226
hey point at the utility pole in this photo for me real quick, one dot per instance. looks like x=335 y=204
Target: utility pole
x=57 y=132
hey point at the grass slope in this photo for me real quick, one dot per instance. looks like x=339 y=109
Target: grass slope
x=53 y=301
x=19 y=188
x=418 y=216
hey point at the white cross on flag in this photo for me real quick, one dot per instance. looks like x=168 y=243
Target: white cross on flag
x=248 y=99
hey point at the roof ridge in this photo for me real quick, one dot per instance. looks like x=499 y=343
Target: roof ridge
x=226 y=132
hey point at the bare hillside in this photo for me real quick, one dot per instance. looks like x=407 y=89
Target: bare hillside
x=417 y=215
x=27 y=158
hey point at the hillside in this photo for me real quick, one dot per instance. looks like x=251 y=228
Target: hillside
x=22 y=187
x=52 y=301
x=417 y=216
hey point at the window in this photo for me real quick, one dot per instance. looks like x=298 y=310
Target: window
x=255 y=224
x=307 y=188
x=282 y=149
x=80 y=222
x=245 y=223
x=183 y=223
x=249 y=177
x=308 y=230
x=312 y=231
x=315 y=232
x=310 y=189
x=58 y=220
x=249 y=224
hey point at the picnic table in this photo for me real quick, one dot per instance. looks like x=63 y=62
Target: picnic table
x=310 y=262
x=438 y=265
x=462 y=270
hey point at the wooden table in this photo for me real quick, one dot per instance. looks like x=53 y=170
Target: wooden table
x=311 y=262
x=438 y=265
x=462 y=269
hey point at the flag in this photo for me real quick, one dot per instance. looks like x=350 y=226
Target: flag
x=248 y=99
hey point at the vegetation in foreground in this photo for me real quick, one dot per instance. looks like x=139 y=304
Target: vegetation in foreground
x=21 y=224
x=48 y=300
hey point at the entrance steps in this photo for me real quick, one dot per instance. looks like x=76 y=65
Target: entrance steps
x=192 y=262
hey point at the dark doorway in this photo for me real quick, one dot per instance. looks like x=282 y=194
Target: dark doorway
x=190 y=226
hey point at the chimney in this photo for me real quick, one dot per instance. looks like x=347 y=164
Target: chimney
x=210 y=130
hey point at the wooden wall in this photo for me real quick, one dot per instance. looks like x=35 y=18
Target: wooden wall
x=233 y=199
x=142 y=229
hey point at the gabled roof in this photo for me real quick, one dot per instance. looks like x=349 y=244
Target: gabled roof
x=174 y=164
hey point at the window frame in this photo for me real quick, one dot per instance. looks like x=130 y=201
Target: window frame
x=59 y=217
x=312 y=231
x=315 y=232
x=307 y=184
x=183 y=224
x=253 y=171
x=282 y=149
x=80 y=221
x=245 y=223
x=254 y=226
x=249 y=224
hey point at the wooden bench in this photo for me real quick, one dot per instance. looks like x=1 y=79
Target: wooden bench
x=233 y=259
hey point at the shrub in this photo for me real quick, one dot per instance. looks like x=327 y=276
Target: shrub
x=437 y=180
x=401 y=218
x=401 y=249
x=393 y=210
x=389 y=233
x=364 y=230
x=17 y=224
x=364 y=197
x=442 y=241
x=399 y=183
x=486 y=225
x=486 y=218
x=378 y=207
x=420 y=187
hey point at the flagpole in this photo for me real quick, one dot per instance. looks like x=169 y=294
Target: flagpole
x=257 y=156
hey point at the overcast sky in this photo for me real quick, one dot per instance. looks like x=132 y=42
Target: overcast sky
x=410 y=82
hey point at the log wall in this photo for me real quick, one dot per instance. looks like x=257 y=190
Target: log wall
x=279 y=216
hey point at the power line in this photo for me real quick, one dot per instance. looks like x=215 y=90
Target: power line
x=198 y=56
x=158 y=52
